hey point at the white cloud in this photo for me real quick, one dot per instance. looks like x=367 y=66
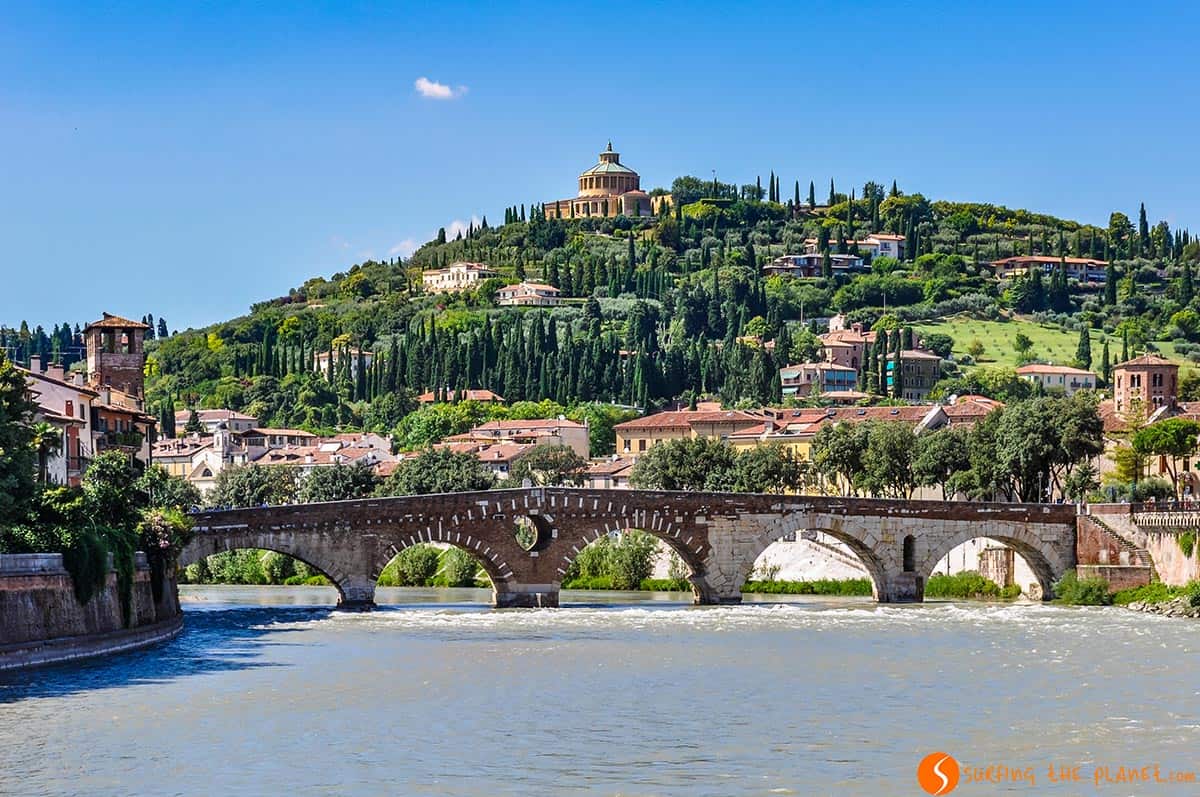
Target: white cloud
x=459 y=226
x=404 y=249
x=433 y=90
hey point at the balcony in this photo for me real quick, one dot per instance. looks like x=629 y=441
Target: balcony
x=131 y=440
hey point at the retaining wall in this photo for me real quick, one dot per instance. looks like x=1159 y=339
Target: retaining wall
x=41 y=622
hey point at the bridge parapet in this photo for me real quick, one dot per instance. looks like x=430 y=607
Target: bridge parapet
x=1182 y=519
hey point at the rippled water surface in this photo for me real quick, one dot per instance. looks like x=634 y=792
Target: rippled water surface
x=268 y=692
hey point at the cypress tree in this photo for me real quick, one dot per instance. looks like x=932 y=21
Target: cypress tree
x=832 y=193
x=1105 y=364
x=1083 y=352
x=812 y=195
x=1110 y=284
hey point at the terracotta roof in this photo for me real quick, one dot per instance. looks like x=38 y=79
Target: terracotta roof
x=550 y=423
x=1044 y=368
x=609 y=467
x=685 y=418
x=110 y=321
x=258 y=430
x=182 y=447
x=61 y=382
x=214 y=415
x=1147 y=359
x=429 y=396
x=914 y=354
x=1110 y=418
x=1075 y=261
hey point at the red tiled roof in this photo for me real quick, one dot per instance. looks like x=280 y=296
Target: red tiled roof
x=1043 y=368
x=685 y=418
x=1148 y=358
x=110 y=321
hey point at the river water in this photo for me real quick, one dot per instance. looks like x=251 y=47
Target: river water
x=268 y=692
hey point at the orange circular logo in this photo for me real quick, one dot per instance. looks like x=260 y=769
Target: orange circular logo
x=938 y=773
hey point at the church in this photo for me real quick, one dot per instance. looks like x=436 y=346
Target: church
x=608 y=189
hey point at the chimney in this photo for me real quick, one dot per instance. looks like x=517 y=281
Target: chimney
x=77 y=379
x=35 y=363
x=55 y=371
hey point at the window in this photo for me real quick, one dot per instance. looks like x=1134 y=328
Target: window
x=641 y=445
x=910 y=554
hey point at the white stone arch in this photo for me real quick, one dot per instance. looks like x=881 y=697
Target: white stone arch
x=775 y=528
x=1046 y=560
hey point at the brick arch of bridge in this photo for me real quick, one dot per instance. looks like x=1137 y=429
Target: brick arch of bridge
x=496 y=558
x=331 y=561
x=1048 y=558
x=691 y=547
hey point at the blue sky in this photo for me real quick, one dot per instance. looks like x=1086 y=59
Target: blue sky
x=188 y=159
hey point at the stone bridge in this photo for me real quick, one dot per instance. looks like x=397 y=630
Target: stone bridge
x=718 y=535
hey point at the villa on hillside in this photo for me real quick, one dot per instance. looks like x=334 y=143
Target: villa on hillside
x=455 y=277
x=877 y=244
x=1083 y=269
x=529 y=294
x=1058 y=378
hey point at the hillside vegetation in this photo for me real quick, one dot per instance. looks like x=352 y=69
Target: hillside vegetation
x=671 y=307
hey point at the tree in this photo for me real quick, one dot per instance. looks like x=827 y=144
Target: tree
x=339 y=482
x=194 y=426
x=697 y=463
x=161 y=490
x=253 y=485
x=837 y=455
x=939 y=455
x=550 y=465
x=162 y=328
x=1172 y=439
x=1083 y=351
x=1022 y=345
x=47 y=442
x=17 y=455
x=438 y=470
x=888 y=460
x=768 y=469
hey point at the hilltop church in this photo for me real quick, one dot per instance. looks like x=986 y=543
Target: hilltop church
x=608 y=189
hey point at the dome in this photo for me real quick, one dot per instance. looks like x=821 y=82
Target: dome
x=608 y=178
x=610 y=167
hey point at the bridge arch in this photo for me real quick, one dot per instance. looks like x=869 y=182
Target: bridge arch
x=1047 y=561
x=877 y=568
x=572 y=542
x=201 y=548
x=493 y=561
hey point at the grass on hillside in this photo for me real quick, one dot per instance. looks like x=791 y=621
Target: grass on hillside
x=1050 y=344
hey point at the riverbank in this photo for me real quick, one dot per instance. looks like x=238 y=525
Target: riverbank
x=44 y=622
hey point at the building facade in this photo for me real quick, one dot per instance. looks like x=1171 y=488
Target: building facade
x=455 y=277
x=1150 y=380
x=1058 y=378
x=608 y=189
x=529 y=294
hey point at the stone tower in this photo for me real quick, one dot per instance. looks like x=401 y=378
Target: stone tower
x=115 y=357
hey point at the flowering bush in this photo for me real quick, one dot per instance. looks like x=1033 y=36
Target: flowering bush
x=163 y=533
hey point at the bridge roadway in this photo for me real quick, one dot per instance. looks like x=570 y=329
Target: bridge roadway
x=718 y=535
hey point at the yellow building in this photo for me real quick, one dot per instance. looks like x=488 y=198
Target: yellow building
x=608 y=189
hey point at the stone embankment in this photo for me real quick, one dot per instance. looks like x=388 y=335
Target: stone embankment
x=1176 y=607
x=42 y=622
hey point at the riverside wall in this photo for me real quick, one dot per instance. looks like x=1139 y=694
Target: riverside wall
x=41 y=621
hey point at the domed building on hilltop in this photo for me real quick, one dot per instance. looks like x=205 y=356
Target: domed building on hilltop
x=608 y=189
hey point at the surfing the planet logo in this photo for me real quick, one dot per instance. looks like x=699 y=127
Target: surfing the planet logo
x=938 y=774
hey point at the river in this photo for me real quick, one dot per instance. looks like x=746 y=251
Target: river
x=268 y=692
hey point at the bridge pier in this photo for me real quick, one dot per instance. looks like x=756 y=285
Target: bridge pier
x=902 y=587
x=356 y=594
x=507 y=595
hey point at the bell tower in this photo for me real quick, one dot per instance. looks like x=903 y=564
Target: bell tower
x=115 y=357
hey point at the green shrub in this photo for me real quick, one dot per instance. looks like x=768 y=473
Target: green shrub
x=1155 y=592
x=86 y=559
x=589 y=582
x=1187 y=543
x=968 y=584
x=457 y=569
x=1075 y=591
x=824 y=586
x=415 y=566
x=665 y=585
x=317 y=581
